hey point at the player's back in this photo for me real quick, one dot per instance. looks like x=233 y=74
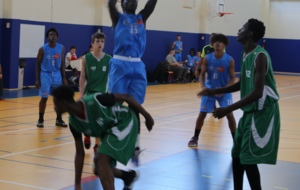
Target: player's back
x=51 y=61
x=130 y=36
x=99 y=119
x=217 y=71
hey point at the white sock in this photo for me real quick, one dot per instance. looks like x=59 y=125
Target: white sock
x=137 y=144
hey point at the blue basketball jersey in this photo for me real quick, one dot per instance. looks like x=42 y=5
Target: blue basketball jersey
x=51 y=61
x=217 y=71
x=178 y=46
x=191 y=61
x=130 y=36
x=197 y=61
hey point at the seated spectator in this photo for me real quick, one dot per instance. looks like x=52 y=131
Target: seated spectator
x=178 y=69
x=190 y=60
x=70 y=57
x=91 y=49
x=1 y=84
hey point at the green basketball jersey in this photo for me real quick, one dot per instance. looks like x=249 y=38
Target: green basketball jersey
x=270 y=94
x=100 y=120
x=96 y=73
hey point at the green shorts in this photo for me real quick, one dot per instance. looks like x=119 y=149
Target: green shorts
x=119 y=143
x=257 y=137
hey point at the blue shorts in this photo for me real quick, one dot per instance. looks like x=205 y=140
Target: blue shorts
x=49 y=81
x=208 y=103
x=126 y=77
x=178 y=57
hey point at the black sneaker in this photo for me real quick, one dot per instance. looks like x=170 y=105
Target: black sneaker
x=129 y=183
x=60 y=123
x=40 y=124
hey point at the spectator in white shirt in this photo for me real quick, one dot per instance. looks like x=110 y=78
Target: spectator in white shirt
x=70 y=57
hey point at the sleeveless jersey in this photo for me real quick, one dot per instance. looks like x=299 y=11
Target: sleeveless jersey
x=51 y=61
x=217 y=71
x=191 y=61
x=100 y=120
x=96 y=73
x=130 y=36
x=270 y=94
x=178 y=46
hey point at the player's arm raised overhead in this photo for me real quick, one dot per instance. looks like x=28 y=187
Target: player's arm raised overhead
x=62 y=67
x=38 y=68
x=136 y=106
x=79 y=157
x=114 y=13
x=259 y=83
x=148 y=10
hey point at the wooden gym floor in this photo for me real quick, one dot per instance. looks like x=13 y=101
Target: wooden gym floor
x=32 y=158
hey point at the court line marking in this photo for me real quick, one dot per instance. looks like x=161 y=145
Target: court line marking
x=36 y=149
x=25 y=129
x=288 y=97
x=21 y=184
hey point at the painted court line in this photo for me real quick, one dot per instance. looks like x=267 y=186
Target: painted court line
x=24 y=185
x=24 y=129
x=35 y=149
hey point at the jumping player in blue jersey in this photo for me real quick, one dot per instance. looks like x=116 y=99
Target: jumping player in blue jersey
x=220 y=73
x=127 y=74
x=177 y=46
x=50 y=73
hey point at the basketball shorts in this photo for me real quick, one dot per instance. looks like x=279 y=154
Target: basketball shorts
x=178 y=57
x=208 y=103
x=49 y=81
x=119 y=142
x=257 y=136
x=128 y=77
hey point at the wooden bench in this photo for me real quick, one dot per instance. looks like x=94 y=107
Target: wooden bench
x=170 y=73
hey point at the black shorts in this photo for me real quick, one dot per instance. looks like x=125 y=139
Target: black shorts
x=69 y=67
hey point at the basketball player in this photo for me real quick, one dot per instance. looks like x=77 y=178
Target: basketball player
x=127 y=74
x=116 y=125
x=190 y=62
x=198 y=57
x=257 y=138
x=220 y=73
x=177 y=46
x=50 y=73
x=206 y=50
x=94 y=74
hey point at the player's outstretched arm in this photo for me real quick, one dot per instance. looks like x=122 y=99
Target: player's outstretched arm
x=148 y=10
x=79 y=157
x=38 y=68
x=114 y=13
x=136 y=106
x=259 y=83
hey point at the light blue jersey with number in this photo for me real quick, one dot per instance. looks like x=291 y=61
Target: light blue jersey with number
x=217 y=71
x=130 y=36
x=51 y=61
x=191 y=61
